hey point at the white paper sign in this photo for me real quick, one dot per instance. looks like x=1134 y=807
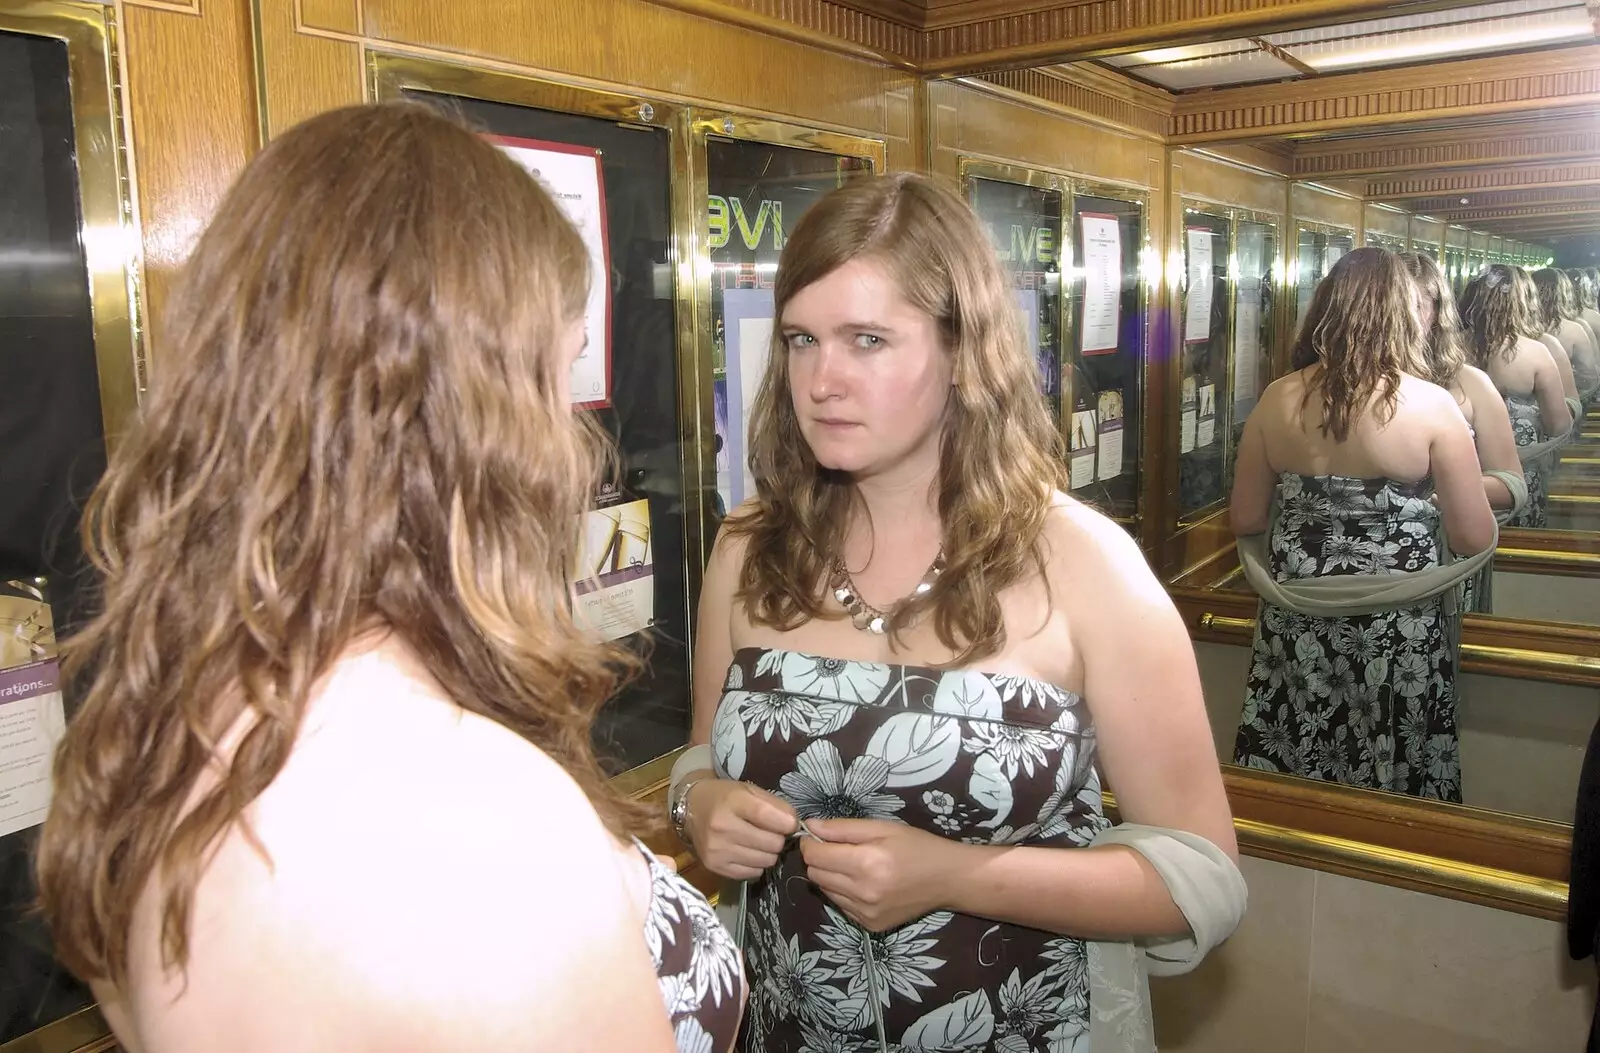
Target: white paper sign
x=1083 y=448
x=1102 y=283
x=1111 y=426
x=1246 y=346
x=573 y=177
x=32 y=721
x=1186 y=431
x=1197 y=313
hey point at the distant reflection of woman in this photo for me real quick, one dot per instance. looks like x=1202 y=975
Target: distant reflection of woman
x=1349 y=465
x=1495 y=319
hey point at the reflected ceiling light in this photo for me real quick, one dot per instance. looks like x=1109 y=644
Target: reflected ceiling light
x=1444 y=45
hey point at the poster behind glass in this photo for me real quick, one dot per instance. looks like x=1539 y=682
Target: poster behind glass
x=757 y=192
x=1024 y=225
x=1254 y=346
x=1316 y=253
x=52 y=450
x=1105 y=352
x=1205 y=392
x=614 y=182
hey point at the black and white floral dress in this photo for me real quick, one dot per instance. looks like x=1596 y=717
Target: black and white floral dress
x=1368 y=700
x=1527 y=427
x=697 y=963
x=977 y=757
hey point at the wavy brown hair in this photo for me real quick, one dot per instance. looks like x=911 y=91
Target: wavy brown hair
x=1000 y=454
x=1494 y=313
x=1529 y=319
x=361 y=421
x=1583 y=289
x=1444 y=353
x=1557 y=299
x=1362 y=326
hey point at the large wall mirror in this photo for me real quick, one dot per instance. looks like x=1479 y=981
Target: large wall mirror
x=1482 y=733
x=69 y=382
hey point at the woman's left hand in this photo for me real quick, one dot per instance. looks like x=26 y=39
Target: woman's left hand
x=880 y=873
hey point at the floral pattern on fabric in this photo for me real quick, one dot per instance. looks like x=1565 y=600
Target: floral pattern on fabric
x=977 y=757
x=1368 y=700
x=697 y=963
x=1527 y=427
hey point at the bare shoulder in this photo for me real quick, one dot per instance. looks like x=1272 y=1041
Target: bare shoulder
x=1477 y=386
x=1088 y=553
x=1536 y=350
x=426 y=851
x=728 y=551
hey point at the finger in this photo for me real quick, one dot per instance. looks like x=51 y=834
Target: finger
x=735 y=872
x=852 y=909
x=827 y=856
x=768 y=811
x=749 y=857
x=832 y=882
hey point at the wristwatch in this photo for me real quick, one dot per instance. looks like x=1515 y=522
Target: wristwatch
x=678 y=807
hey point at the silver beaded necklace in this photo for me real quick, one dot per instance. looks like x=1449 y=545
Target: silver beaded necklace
x=863 y=615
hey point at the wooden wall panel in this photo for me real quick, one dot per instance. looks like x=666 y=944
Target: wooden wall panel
x=336 y=16
x=1318 y=206
x=969 y=120
x=636 y=43
x=1208 y=179
x=1384 y=220
x=191 y=109
x=305 y=73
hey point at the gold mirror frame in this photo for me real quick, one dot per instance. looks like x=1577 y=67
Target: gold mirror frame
x=111 y=250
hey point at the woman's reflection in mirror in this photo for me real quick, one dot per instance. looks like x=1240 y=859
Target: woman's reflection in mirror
x=1356 y=482
x=1496 y=320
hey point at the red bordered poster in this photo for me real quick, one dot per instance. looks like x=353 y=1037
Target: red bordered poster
x=574 y=178
x=1102 y=283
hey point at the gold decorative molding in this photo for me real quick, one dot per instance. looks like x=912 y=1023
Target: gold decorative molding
x=1492 y=202
x=1500 y=85
x=819 y=23
x=1091 y=91
x=1417 y=190
x=967 y=37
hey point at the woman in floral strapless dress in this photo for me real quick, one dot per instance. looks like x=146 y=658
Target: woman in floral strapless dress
x=916 y=659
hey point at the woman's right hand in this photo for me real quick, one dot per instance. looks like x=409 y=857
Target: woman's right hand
x=737 y=830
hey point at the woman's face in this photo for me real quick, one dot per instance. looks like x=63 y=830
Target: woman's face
x=868 y=374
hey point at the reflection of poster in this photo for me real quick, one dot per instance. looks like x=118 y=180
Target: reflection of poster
x=1197 y=311
x=1102 y=283
x=747 y=323
x=32 y=721
x=1206 y=426
x=573 y=177
x=615 y=579
x=1246 y=344
x=1111 y=424
x=1188 y=419
x=1083 y=448
x=1028 y=307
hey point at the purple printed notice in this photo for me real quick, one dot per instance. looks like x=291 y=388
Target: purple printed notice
x=25 y=681
x=32 y=721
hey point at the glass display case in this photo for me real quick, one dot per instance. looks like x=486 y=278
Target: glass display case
x=1074 y=251
x=1317 y=248
x=70 y=374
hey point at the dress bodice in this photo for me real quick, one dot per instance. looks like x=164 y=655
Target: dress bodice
x=983 y=758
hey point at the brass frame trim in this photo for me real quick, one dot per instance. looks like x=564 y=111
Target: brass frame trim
x=110 y=239
x=85 y=1031
x=1503 y=889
